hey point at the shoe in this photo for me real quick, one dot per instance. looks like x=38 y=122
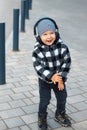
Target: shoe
x=42 y=122
x=63 y=119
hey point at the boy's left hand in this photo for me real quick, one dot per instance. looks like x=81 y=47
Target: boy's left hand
x=60 y=86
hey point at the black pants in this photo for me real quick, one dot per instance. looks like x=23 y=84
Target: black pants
x=45 y=96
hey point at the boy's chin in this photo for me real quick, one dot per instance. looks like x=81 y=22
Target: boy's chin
x=48 y=43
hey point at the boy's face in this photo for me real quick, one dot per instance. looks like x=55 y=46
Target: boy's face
x=48 y=37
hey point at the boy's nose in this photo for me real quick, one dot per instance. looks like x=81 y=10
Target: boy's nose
x=48 y=36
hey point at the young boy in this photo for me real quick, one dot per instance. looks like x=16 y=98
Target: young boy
x=52 y=61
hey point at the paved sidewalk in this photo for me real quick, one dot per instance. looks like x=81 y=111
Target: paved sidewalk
x=19 y=97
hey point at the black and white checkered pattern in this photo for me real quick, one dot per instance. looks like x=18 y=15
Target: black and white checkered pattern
x=48 y=60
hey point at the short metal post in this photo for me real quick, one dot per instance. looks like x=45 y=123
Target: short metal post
x=2 y=53
x=16 y=30
x=27 y=9
x=23 y=4
x=30 y=4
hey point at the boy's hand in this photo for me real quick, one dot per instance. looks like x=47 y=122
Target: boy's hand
x=60 y=86
x=56 y=78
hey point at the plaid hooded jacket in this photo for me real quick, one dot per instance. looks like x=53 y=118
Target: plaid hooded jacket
x=48 y=60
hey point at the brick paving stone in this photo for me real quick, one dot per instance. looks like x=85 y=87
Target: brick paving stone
x=53 y=124
x=28 y=101
x=35 y=99
x=28 y=94
x=71 y=108
x=11 y=113
x=83 y=83
x=23 y=83
x=53 y=102
x=30 y=118
x=18 y=103
x=72 y=85
x=4 y=106
x=31 y=108
x=22 y=89
x=6 y=92
x=79 y=116
x=34 y=126
x=2 y=125
x=17 y=96
x=84 y=89
x=80 y=126
x=13 y=80
x=80 y=106
x=35 y=92
x=17 y=84
x=75 y=91
x=85 y=95
x=50 y=106
x=51 y=114
x=14 y=122
x=6 y=86
x=16 y=128
x=64 y=128
x=75 y=99
x=25 y=128
x=4 y=99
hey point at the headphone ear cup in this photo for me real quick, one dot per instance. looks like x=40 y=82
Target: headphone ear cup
x=57 y=36
x=38 y=39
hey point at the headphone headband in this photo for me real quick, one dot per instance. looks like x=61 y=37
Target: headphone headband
x=35 y=26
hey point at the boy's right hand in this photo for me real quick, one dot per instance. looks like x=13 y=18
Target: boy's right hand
x=56 y=78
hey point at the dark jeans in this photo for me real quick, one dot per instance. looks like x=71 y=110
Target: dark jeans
x=45 y=96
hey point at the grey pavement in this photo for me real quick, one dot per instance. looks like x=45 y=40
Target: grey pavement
x=19 y=97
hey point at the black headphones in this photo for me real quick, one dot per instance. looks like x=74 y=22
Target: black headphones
x=36 y=31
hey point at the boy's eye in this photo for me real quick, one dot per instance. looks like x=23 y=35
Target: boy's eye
x=44 y=34
x=52 y=33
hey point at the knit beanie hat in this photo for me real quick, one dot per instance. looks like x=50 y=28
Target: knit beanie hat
x=45 y=25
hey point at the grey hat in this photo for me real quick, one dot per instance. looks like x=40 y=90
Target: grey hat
x=45 y=25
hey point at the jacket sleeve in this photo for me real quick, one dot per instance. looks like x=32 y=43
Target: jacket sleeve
x=65 y=63
x=40 y=67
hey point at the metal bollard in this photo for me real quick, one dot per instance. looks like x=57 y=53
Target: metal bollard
x=16 y=30
x=27 y=9
x=2 y=53
x=30 y=4
x=23 y=4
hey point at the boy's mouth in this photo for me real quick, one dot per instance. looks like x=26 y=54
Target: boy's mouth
x=49 y=40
